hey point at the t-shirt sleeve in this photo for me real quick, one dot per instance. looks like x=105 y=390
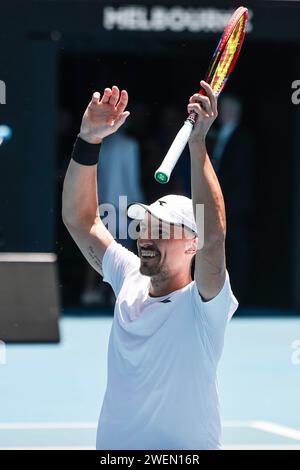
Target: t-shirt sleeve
x=215 y=314
x=116 y=264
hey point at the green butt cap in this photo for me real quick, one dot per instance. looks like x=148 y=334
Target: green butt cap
x=161 y=177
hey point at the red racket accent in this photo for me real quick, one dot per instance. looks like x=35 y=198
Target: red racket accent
x=226 y=54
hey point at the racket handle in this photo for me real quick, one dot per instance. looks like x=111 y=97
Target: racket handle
x=163 y=173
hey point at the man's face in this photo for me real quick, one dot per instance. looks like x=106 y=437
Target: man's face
x=164 y=248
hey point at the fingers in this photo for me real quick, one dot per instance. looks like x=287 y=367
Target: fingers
x=198 y=109
x=204 y=100
x=106 y=96
x=212 y=97
x=202 y=104
x=114 y=97
x=207 y=102
x=96 y=97
x=123 y=101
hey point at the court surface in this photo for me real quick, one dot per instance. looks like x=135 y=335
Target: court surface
x=51 y=394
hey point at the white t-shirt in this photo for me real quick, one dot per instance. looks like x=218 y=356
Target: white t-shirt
x=162 y=359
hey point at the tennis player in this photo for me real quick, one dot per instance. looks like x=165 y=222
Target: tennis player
x=173 y=300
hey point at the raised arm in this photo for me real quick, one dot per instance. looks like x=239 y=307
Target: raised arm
x=80 y=212
x=210 y=267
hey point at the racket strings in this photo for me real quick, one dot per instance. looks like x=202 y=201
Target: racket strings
x=221 y=68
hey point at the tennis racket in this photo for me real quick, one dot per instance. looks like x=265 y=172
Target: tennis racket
x=222 y=64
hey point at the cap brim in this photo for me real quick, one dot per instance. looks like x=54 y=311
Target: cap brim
x=137 y=211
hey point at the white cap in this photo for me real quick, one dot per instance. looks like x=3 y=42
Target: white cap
x=173 y=209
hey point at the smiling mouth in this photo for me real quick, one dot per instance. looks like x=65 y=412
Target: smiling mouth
x=148 y=254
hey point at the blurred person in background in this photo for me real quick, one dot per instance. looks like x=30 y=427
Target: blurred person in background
x=232 y=158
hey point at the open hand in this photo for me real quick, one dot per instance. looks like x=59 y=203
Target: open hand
x=104 y=116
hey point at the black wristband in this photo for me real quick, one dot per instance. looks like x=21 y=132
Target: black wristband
x=85 y=153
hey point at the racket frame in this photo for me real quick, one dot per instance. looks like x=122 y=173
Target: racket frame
x=163 y=173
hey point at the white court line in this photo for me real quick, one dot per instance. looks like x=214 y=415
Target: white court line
x=275 y=428
x=266 y=426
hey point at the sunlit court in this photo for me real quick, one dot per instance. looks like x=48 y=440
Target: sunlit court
x=51 y=393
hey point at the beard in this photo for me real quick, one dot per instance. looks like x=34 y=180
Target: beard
x=147 y=270
x=150 y=266
x=157 y=271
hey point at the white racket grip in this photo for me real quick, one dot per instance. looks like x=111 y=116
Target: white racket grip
x=163 y=173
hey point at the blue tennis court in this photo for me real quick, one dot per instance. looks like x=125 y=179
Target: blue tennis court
x=51 y=394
